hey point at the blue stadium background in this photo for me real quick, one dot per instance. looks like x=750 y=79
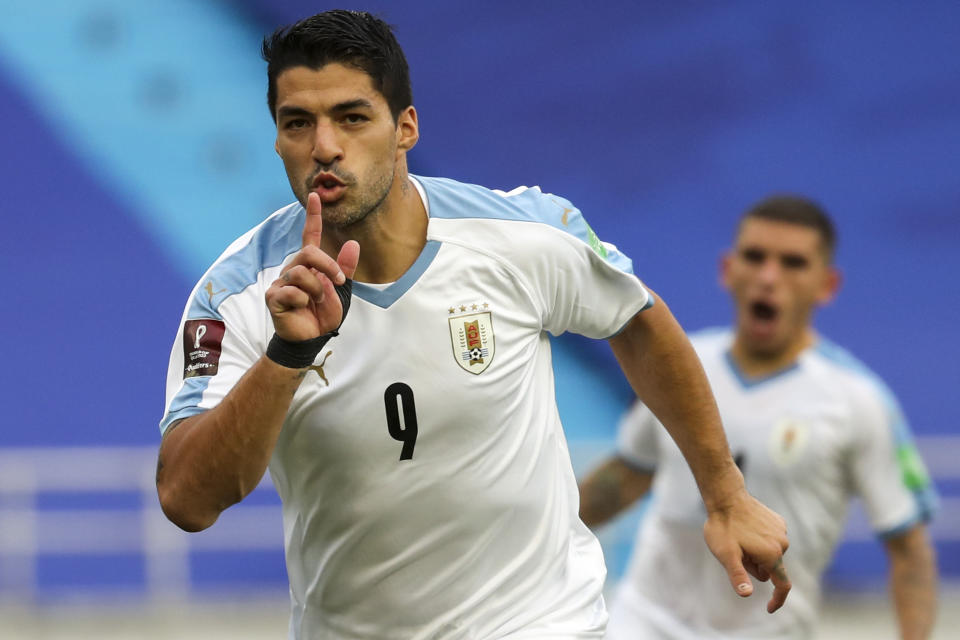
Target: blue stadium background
x=138 y=145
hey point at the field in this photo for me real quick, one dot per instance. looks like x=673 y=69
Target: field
x=846 y=617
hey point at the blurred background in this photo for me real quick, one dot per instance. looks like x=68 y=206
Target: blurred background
x=138 y=145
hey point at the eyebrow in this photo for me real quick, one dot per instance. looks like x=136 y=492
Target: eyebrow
x=794 y=258
x=284 y=112
x=790 y=258
x=349 y=105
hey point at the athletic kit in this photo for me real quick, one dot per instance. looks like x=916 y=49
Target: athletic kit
x=426 y=484
x=807 y=439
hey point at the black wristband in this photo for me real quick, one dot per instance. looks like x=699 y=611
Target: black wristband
x=296 y=355
x=300 y=354
x=345 y=293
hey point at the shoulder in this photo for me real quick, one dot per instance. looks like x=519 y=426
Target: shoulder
x=881 y=427
x=844 y=367
x=524 y=216
x=240 y=265
x=711 y=342
x=453 y=200
x=843 y=372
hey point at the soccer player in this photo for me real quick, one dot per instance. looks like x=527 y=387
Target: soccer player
x=809 y=427
x=381 y=346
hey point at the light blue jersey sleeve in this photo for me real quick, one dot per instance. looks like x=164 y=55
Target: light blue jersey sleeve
x=577 y=282
x=887 y=469
x=222 y=332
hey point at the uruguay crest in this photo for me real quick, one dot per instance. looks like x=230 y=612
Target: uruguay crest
x=788 y=441
x=472 y=339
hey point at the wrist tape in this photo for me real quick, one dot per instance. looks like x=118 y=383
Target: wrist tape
x=296 y=355
x=302 y=353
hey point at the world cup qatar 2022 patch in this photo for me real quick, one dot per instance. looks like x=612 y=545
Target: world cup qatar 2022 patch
x=202 y=340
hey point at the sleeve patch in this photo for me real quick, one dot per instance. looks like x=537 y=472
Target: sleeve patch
x=202 y=343
x=915 y=475
x=598 y=246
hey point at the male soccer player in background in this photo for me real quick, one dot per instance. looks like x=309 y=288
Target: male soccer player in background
x=809 y=427
x=414 y=440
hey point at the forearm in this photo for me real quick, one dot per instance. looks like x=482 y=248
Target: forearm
x=667 y=376
x=609 y=489
x=212 y=460
x=913 y=583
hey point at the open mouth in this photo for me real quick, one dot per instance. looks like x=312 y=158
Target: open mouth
x=327 y=180
x=328 y=186
x=763 y=311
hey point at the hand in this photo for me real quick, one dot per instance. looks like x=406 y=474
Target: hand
x=302 y=301
x=746 y=536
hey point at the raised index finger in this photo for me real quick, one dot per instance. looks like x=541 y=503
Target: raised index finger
x=313 y=227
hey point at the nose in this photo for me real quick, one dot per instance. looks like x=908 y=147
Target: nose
x=769 y=271
x=326 y=144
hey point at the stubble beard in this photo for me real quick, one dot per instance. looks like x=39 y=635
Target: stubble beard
x=356 y=205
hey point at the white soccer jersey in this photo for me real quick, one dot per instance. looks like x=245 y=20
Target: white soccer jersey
x=426 y=484
x=807 y=439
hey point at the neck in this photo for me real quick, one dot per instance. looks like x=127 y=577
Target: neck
x=756 y=364
x=391 y=238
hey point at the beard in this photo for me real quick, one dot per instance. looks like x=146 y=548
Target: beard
x=361 y=199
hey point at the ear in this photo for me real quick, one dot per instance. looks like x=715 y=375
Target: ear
x=726 y=261
x=408 y=130
x=832 y=279
x=276 y=145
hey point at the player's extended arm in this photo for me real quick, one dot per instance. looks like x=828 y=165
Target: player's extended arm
x=609 y=489
x=913 y=582
x=212 y=460
x=666 y=374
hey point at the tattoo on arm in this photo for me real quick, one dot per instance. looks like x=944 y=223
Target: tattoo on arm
x=601 y=499
x=610 y=489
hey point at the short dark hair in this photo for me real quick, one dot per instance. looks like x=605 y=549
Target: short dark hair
x=795 y=209
x=353 y=38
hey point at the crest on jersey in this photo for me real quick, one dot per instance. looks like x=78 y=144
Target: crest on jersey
x=472 y=337
x=788 y=441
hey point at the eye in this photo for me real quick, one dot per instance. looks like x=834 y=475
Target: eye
x=753 y=256
x=296 y=123
x=794 y=261
x=355 y=118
